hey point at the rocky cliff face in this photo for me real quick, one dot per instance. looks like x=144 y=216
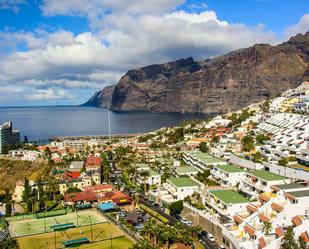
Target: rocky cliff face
x=225 y=83
x=101 y=98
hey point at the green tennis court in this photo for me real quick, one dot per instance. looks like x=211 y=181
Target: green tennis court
x=102 y=235
x=19 y=228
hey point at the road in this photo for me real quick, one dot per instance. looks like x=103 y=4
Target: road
x=207 y=244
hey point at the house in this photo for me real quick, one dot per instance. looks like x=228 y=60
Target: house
x=226 y=202
x=228 y=175
x=93 y=163
x=201 y=160
x=181 y=187
x=260 y=181
x=186 y=171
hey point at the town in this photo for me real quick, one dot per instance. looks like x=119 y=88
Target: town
x=239 y=180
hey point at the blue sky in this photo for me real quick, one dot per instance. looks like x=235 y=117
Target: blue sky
x=59 y=52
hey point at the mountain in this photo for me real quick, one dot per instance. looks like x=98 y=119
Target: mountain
x=221 y=84
x=101 y=98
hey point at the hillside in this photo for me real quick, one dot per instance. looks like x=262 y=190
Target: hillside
x=13 y=170
x=221 y=84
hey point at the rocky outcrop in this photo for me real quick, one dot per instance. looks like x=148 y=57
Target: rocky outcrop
x=101 y=98
x=221 y=84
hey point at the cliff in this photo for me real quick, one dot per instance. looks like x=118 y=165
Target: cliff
x=101 y=98
x=221 y=84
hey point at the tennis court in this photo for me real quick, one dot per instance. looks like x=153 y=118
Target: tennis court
x=104 y=235
x=30 y=226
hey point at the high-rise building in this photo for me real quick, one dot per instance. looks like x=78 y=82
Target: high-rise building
x=8 y=136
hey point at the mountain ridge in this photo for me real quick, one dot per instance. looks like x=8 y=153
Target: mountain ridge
x=221 y=84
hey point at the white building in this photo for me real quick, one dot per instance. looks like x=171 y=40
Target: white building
x=228 y=175
x=260 y=181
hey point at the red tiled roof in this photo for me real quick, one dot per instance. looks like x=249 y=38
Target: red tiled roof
x=99 y=188
x=276 y=207
x=252 y=208
x=238 y=219
x=93 y=161
x=115 y=196
x=279 y=232
x=296 y=221
x=249 y=230
x=262 y=242
x=263 y=218
x=264 y=197
x=81 y=196
x=305 y=236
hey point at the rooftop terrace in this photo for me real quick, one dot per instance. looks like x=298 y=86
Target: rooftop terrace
x=180 y=182
x=267 y=176
x=205 y=157
x=186 y=169
x=228 y=196
x=229 y=168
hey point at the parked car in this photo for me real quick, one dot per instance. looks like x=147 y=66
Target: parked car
x=210 y=237
x=222 y=247
x=122 y=213
x=189 y=223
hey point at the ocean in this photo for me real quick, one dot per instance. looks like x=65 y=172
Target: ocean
x=42 y=123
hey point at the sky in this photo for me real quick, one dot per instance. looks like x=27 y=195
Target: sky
x=59 y=52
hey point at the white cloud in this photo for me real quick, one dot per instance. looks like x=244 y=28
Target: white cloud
x=125 y=37
x=12 y=4
x=48 y=94
x=301 y=27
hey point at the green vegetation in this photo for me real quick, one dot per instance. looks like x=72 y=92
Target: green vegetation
x=261 y=138
x=176 y=207
x=154 y=214
x=247 y=143
x=288 y=241
x=203 y=147
x=267 y=176
x=229 y=196
x=13 y=170
x=203 y=178
x=237 y=118
x=175 y=136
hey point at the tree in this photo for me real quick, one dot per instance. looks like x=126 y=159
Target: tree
x=266 y=227
x=283 y=162
x=8 y=202
x=176 y=207
x=302 y=243
x=247 y=143
x=144 y=174
x=261 y=138
x=257 y=157
x=25 y=139
x=288 y=241
x=203 y=147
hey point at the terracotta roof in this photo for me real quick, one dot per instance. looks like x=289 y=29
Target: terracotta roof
x=296 y=221
x=262 y=242
x=93 y=161
x=264 y=197
x=252 y=208
x=263 y=218
x=305 y=236
x=276 y=207
x=249 y=229
x=238 y=219
x=279 y=232
x=99 y=188
x=81 y=196
x=117 y=197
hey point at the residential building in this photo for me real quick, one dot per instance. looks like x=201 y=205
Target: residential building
x=228 y=175
x=259 y=181
x=8 y=136
x=226 y=202
x=201 y=160
x=186 y=171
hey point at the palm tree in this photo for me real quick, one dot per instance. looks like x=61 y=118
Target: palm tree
x=144 y=174
x=266 y=227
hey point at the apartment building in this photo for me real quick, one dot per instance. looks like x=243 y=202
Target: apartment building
x=8 y=136
x=259 y=181
x=201 y=160
x=228 y=175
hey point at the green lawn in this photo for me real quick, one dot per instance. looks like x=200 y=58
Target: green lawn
x=37 y=226
x=101 y=234
x=230 y=168
x=267 y=176
x=228 y=196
